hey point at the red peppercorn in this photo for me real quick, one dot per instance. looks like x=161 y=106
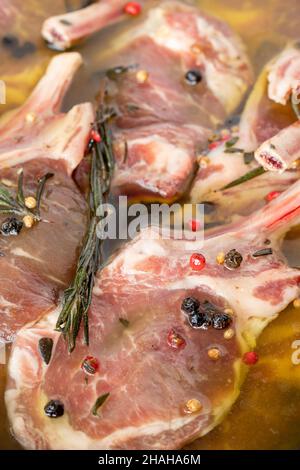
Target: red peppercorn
x=194 y=225
x=214 y=145
x=250 y=358
x=272 y=195
x=175 y=340
x=95 y=136
x=132 y=8
x=197 y=261
x=90 y=365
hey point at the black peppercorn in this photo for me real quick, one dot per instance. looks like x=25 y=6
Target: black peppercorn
x=54 y=409
x=190 y=305
x=233 y=259
x=197 y=320
x=23 y=50
x=10 y=41
x=220 y=321
x=193 y=77
x=11 y=226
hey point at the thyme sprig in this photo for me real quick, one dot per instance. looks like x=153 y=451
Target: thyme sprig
x=77 y=298
x=15 y=205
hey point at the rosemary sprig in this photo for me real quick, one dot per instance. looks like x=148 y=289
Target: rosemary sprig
x=77 y=298
x=248 y=176
x=15 y=205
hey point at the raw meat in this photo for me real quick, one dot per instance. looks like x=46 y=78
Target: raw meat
x=61 y=31
x=38 y=264
x=280 y=152
x=162 y=119
x=164 y=122
x=229 y=204
x=260 y=120
x=156 y=162
x=284 y=75
x=136 y=305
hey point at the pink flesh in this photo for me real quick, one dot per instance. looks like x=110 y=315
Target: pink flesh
x=284 y=75
x=148 y=381
x=160 y=167
x=39 y=262
x=51 y=135
x=166 y=102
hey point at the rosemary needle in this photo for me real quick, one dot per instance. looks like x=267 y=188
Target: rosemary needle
x=248 y=176
x=77 y=297
x=16 y=205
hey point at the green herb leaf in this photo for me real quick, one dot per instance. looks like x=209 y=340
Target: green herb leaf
x=248 y=176
x=40 y=190
x=248 y=157
x=233 y=150
x=262 y=252
x=65 y=22
x=45 y=349
x=5 y=196
x=132 y=107
x=20 y=193
x=124 y=322
x=231 y=142
x=99 y=402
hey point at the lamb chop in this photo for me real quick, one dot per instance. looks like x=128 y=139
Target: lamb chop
x=227 y=205
x=171 y=329
x=43 y=214
x=174 y=77
x=62 y=31
x=281 y=151
x=233 y=156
